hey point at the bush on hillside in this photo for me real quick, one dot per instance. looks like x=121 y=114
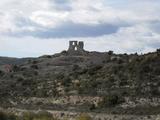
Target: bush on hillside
x=38 y=116
x=1 y=73
x=111 y=100
x=84 y=117
x=7 y=116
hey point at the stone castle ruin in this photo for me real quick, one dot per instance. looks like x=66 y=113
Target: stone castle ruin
x=76 y=46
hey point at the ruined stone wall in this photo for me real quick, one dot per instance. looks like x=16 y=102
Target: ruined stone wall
x=76 y=46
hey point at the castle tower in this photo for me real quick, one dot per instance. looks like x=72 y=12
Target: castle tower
x=73 y=45
x=76 y=46
x=80 y=46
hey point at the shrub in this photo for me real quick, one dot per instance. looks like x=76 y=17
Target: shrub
x=110 y=101
x=94 y=69
x=84 y=117
x=146 y=69
x=36 y=73
x=158 y=50
x=75 y=67
x=38 y=116
x=48 y=56
x=7 y=116
x=1 y=73
x=110 y=52
x=66 y=81
x=34 y=62
x=155 y=91
x=16 y=68
x=20 y=78
x=64 y=52
x=34 y=66
x=59 y=76
x=92 y=107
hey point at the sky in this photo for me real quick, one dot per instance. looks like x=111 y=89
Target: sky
x=31 y=28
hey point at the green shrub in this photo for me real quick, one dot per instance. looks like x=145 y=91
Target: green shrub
x=94 y=69
x=75 y=67
x=34 y=62
x=38 y=116
x=59 y=76
x=20 y=79
x=34 y=66
x=64 y=52
x=1 y=73
x=111 y=100
x=16 y=68
x=110 y=52
x=7 y=116
x=48 y=56
x=84 y=117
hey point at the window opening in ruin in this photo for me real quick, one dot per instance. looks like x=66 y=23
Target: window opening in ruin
x=75 y=48
x=73 y=43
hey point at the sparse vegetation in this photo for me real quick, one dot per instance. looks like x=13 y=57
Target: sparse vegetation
x=7 y=116
x=106 y=75
x=37 y=116
x=111 y=100
x=84 y=117
x=27 y=116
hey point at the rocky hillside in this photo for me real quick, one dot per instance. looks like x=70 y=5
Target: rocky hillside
x=92 y=82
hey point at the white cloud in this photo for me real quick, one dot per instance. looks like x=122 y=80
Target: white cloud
x=44 y=12
x=129 y=39
x=49 y=19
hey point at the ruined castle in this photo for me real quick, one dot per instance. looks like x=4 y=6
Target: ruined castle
x=76 y=46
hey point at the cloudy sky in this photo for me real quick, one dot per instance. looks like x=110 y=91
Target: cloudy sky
x=30 y=28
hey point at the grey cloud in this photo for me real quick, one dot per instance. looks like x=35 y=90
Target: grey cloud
x=155 y=26
x=78 y=30
x=69 y=30
x=61 y=5
x=22 y=22
x=62 y=1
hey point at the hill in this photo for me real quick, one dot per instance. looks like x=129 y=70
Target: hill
x=84 y=82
